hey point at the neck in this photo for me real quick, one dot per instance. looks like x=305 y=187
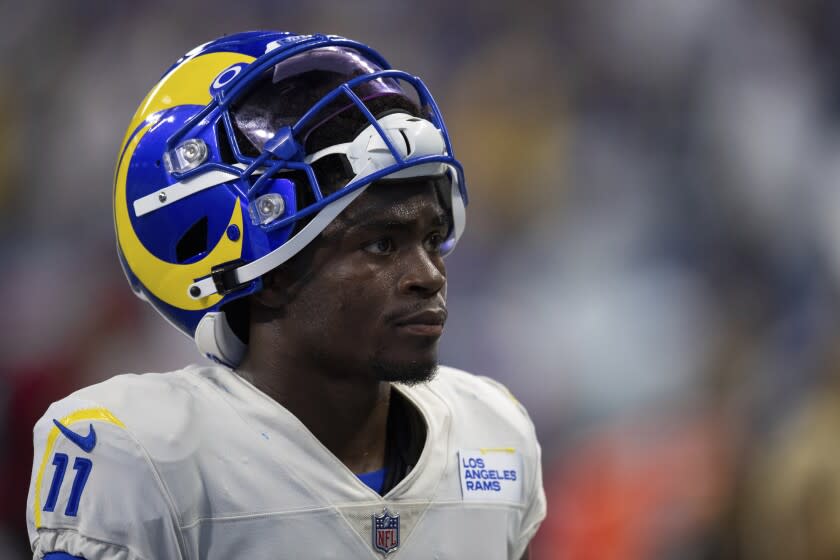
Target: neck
x=347 y=413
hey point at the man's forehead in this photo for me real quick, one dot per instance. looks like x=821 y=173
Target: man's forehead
x=403 y=201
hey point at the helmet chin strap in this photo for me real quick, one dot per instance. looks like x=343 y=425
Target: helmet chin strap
x=409 y=137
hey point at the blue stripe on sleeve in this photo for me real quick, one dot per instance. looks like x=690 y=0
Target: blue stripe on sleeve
x=61 y=556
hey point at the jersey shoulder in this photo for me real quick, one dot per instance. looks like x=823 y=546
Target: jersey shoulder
x=96 y=473
x=481 y=402
x=482 y=415
x=145 y=403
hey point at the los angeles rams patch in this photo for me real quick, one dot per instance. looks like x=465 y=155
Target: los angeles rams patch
x=492 y=474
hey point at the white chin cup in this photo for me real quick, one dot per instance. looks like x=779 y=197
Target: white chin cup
x=216 y=340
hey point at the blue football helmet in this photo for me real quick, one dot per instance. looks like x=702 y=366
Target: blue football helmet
x=245 y=150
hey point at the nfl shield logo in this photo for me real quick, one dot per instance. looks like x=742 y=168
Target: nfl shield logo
x=386 y=531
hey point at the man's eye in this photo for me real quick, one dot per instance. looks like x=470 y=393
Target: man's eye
x=380 y=246
x=434 y=241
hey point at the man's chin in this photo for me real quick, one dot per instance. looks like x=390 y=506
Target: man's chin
x=409 y=373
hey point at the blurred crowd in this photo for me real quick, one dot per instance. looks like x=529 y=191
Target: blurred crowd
x=651 y=263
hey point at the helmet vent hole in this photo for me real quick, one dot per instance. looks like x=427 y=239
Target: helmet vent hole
x=193 y=242
x=407 y=143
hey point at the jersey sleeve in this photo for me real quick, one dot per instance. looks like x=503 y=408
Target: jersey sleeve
x=535 y=506
x=94 y=492
x=535 y=503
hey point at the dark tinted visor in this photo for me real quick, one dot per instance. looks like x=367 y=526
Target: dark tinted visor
x=288 y=90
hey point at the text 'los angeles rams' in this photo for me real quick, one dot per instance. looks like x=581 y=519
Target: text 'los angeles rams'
x=477 y=477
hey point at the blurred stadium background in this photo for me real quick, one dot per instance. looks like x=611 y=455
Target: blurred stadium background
x=651 y=265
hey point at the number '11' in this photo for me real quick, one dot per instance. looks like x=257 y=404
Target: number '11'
x=82 y=467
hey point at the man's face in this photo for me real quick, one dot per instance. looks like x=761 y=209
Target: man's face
x=371 y=293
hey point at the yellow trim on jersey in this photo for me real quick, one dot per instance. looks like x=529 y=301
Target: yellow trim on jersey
x=98 y=414
x=485 y=450
x=168 y=282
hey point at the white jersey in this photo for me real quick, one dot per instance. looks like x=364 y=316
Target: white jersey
x=199 y=464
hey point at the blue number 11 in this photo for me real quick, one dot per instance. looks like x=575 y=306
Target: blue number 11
x=82 y=467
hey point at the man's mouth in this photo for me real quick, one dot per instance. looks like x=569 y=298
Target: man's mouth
x=427 y=322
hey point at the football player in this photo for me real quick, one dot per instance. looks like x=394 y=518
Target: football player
x=286 y=201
